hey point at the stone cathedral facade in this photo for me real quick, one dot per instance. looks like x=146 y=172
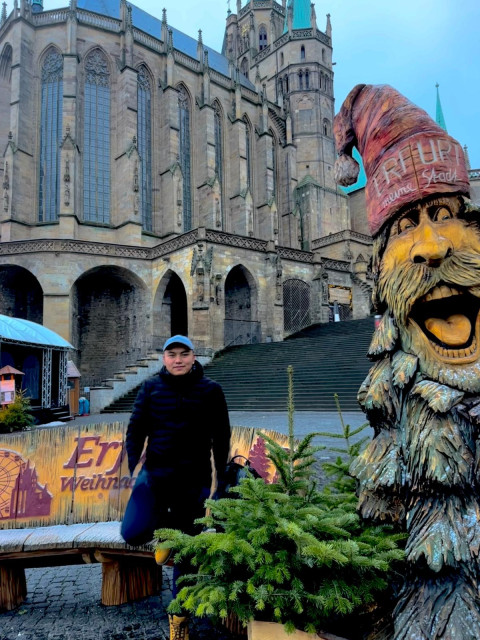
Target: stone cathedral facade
x=152 y=185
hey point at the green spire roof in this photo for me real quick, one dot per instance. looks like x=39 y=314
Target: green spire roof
x=301 y=14
x=440 y=120
x=362 y=177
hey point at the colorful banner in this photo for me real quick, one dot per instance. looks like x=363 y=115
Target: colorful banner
x=70 y=474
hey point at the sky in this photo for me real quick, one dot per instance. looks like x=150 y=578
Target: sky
x=411 y=45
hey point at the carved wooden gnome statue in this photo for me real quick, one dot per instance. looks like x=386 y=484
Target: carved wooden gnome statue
x=422 y=468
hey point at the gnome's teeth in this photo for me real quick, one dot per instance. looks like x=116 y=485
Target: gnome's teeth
x=448 y=318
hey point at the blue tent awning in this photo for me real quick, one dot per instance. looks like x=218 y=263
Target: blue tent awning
x=27 y=332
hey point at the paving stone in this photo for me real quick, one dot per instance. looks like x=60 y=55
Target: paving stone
x=63 y=603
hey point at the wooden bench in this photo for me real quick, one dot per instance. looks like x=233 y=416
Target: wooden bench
x=128 y=573
x=63 y=492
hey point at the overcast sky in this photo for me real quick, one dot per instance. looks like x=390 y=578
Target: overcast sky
x=410 y=45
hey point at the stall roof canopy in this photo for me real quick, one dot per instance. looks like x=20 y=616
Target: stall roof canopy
x=27 y=332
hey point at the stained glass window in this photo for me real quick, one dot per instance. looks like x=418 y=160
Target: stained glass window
x=144 y=135
x=50 y=136
x=219 y=152
x=185 y=158
x=96 y=139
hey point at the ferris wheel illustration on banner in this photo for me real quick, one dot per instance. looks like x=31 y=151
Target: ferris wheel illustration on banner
x=10 y=466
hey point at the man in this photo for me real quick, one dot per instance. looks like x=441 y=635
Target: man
x=183 y=417
x=422 y=394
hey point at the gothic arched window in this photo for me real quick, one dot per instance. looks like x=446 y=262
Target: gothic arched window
x=302 y=52
x=285 y=83
x=262 y=37
x=144 y=137
x=5 y=93
x=244 y=67
x=274 y=167
x=50 y=136
x=185 y=157
x=248 y=153
x=219 y=154
x=300 y=80
x=96 y=139
x=307 y=79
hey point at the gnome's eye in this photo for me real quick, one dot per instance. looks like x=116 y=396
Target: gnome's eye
x=442 y=214
x=405 y=224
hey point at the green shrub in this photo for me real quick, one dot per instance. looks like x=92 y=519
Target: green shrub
x=286 y=552
x=16 y=416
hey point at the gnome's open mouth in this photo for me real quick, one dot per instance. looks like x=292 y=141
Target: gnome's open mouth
x=449 y=319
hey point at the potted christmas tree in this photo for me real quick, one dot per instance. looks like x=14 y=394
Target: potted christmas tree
x=285 y=553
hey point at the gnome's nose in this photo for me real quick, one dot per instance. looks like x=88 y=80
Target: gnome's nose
x=431 y=248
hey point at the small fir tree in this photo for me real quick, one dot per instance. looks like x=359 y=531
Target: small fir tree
x=16 y=416
x=285 y=552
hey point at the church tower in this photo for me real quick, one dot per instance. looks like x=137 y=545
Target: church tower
x=280 y=48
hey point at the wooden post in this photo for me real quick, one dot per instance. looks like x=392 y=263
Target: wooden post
x=13 y=586
x=128 y=579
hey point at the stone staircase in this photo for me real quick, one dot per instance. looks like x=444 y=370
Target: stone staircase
x=124 y=384
x=327 y=359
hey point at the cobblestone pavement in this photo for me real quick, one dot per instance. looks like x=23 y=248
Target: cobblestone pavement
x=63 y=603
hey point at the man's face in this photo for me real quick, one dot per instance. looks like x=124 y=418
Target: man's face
x=430 y=280
x=178 y=360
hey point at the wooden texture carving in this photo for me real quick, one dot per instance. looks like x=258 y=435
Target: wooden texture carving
x=422 y=396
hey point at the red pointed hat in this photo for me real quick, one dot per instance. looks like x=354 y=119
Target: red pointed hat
x=406 y=155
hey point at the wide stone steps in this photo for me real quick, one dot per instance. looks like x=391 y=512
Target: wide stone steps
x=327 y=360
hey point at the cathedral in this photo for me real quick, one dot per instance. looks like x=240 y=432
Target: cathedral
x=152 y=185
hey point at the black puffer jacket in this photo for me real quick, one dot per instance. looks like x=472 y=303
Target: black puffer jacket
x=184 y=418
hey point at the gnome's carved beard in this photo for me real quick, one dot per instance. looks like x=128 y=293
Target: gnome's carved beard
x=437 y=312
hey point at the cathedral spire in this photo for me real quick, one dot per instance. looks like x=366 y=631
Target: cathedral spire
x=440 y=120
x=301 y=12
x=200 y=46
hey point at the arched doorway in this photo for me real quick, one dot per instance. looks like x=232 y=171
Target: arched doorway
x=241 y=326
x=110 y=322
x=170 y=315
x=296 y=305
x=21 y=295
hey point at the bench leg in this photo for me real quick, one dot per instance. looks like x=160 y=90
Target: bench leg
x=125 y=580
x=13 y=586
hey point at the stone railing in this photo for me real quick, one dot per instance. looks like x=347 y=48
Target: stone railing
x=187 y=61
x=174 y=244
x=220 y=79
x=96 y=20
x=336 y=265
x=341 y=236
x=73 y=246
x=231 y=240
x=165 y=248
x=149 y=41
x=47 y=17
x=263 y=53
x=294 y=254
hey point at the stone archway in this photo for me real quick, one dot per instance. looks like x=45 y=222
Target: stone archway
x=110 y=322
x=241 y=325
x=170 y=312
x=21 y=295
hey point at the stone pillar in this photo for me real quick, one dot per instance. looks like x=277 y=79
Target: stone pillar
x=57 y=314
